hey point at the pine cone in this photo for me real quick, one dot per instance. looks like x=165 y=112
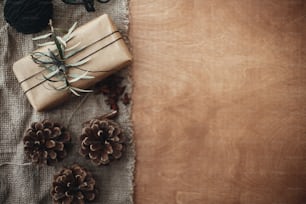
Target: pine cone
x=101 y=141
x=73 y=185
x=45 y=142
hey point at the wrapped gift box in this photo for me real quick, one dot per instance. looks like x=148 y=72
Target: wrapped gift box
x=107 y=51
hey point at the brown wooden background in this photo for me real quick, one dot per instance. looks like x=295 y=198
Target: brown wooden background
x=219 y=101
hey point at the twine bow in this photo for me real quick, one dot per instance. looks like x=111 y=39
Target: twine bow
x=54 y=61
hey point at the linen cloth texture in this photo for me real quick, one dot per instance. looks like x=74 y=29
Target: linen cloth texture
x=30 y=184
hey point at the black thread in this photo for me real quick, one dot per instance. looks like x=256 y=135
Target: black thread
x=28 y=16
x=89 y=4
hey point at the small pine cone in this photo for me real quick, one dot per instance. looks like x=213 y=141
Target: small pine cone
x=45 y=142
x=101 y=141
x=73 y=185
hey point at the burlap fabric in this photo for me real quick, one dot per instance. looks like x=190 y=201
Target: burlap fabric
x=29 y=184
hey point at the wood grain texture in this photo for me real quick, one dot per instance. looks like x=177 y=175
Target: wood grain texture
x=219 y=101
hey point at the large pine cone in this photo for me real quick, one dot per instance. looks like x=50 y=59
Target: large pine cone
x=101 y=141
x=73 y=185
x=45 y=142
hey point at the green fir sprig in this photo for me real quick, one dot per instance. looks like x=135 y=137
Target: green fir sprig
x=55 y=61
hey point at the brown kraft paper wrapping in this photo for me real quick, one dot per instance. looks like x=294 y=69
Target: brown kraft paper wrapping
x=106 y=57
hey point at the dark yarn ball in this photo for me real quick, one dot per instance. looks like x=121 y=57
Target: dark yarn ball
x=28 y=16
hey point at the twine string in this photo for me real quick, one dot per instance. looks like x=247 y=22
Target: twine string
x=103 y=38
x=90 y=71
